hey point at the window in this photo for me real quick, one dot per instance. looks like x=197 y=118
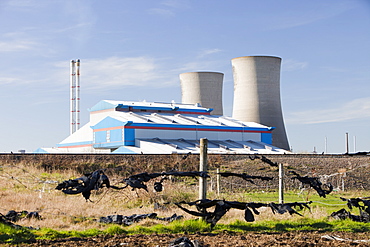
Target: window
x=108 y=136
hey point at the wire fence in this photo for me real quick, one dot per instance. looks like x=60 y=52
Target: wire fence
x=42 y=184
x=215 y=183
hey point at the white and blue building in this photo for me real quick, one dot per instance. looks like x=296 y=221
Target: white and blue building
x=128 y=127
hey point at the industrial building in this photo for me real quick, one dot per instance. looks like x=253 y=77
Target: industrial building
x=164 y=128
x=256 y=126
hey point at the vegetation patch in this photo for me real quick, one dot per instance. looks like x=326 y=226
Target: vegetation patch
x=14 y=235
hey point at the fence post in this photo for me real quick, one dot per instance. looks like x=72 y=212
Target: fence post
x=203 y=168
x=281 y=183
x=218 y=181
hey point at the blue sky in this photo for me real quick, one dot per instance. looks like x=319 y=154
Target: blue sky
x=135 y=50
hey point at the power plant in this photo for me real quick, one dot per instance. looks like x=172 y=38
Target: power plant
x=256 y=126
x=257 y=94
x=204 y=88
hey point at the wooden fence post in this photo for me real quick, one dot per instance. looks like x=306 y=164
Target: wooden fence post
x=203 y=168
x=218 y=181
x=281 y=183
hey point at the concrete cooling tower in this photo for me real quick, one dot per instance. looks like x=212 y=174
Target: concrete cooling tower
x=257 y=94
x=204 y=88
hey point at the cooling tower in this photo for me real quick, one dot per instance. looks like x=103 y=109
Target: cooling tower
x=257 y=94
x=204 y=88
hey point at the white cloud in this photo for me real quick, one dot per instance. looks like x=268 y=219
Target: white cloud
x=116 y=72
x=170 y=7
x=16 y=45
x=292 y=65
x=78 y=26
x=355 y=109
x=8 y=80
x=24 y=5
x=96 y=74
x=208 y=52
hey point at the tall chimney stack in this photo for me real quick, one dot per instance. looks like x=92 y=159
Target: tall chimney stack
x=72 y=95
x=78 y=94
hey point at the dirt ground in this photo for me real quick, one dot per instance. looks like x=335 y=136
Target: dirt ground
x=308 y=238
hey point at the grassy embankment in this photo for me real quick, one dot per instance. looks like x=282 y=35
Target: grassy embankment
x=11 y=235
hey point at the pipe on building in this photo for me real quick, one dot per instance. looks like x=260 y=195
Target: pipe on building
x=257 y=94
x=204 y=88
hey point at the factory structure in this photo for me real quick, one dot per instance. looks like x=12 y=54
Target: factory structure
x=129 y=127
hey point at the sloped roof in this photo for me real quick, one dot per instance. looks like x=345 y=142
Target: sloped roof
x=186 y=119
x=169 y=113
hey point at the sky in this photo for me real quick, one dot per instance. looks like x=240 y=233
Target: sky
x=135 y=50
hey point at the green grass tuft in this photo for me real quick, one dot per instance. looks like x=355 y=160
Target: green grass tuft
x=173 y=227
x=114 y=230
x=13 y=235
x=304 y=224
